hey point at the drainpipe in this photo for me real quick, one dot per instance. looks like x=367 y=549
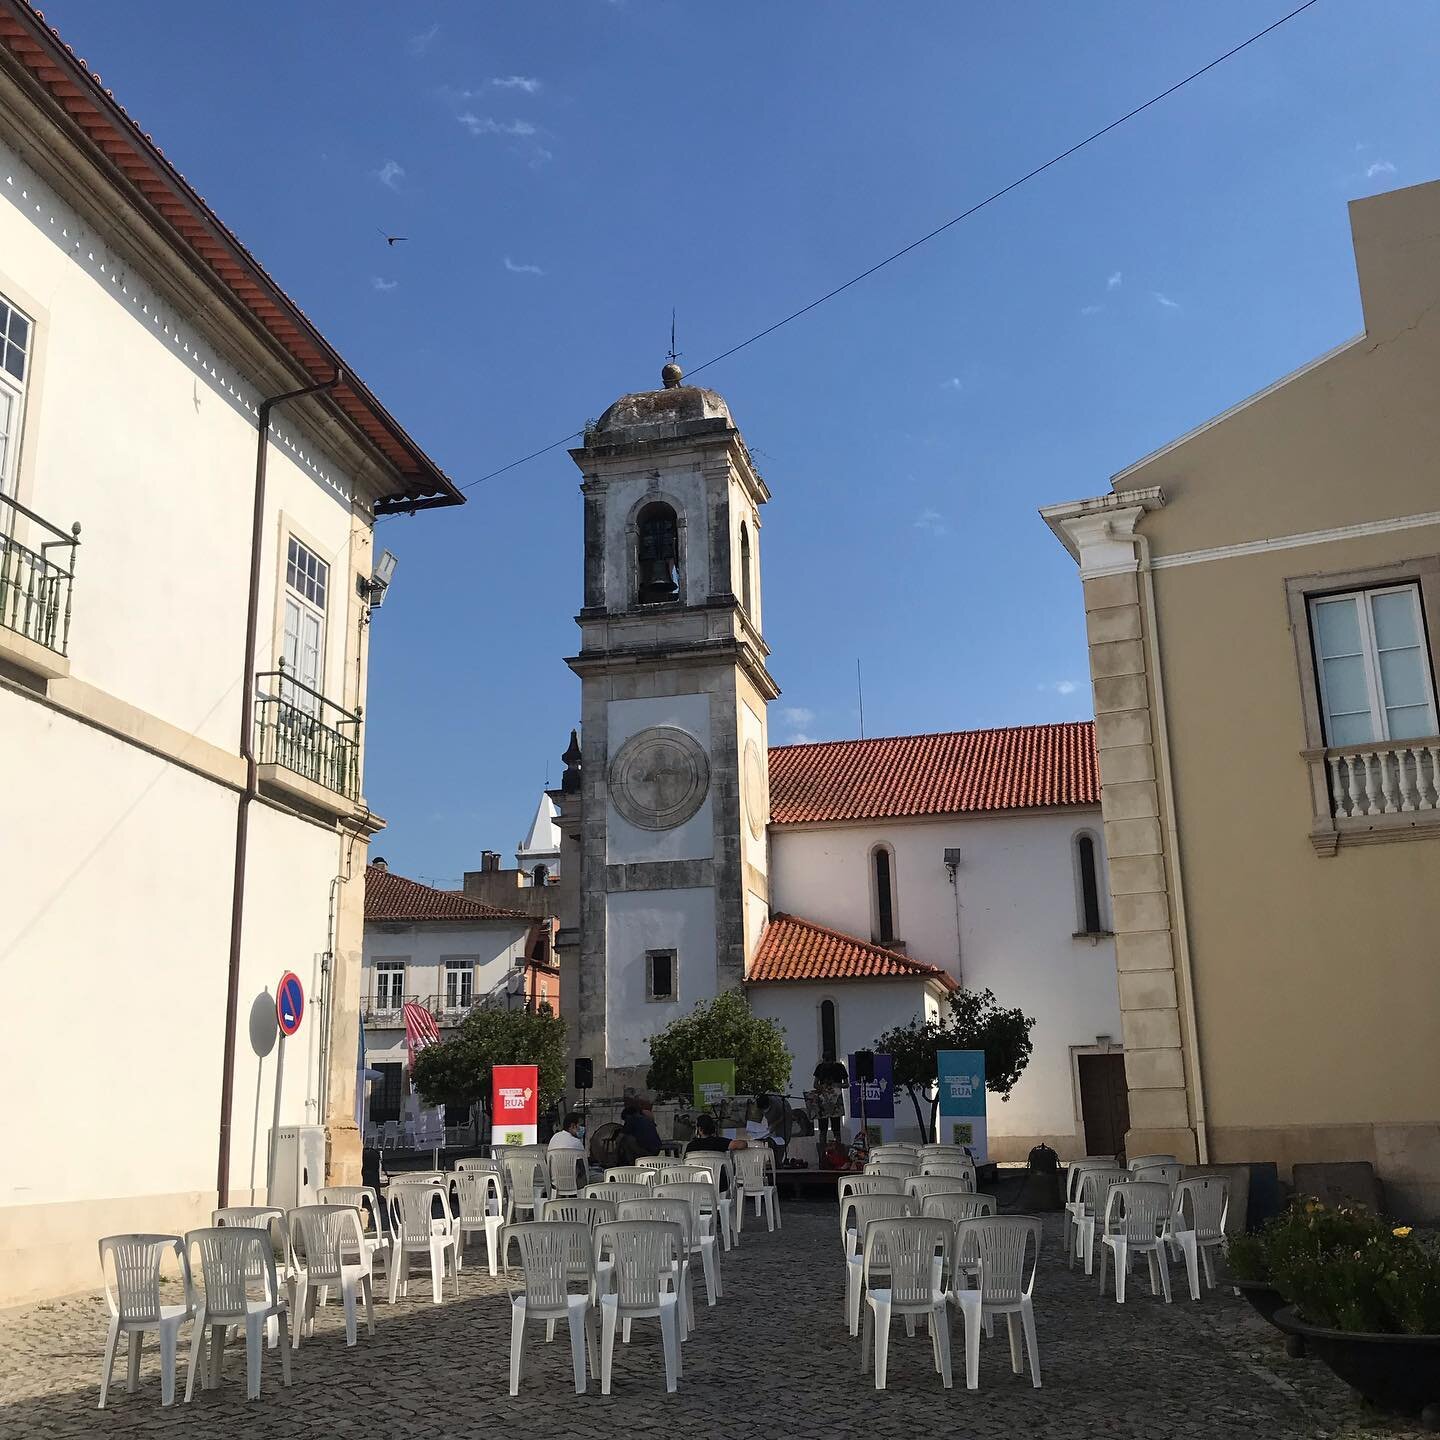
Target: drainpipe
x=247 y=754
x=1172 y=838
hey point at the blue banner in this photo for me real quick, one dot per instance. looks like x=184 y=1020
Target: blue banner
x=879 y=1092
x=962 y=1101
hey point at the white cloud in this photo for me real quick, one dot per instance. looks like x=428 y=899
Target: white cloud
x=515 y=269
x=931 y=521
x=420 y=43
x=484 y=125
x=1379 y=167
x=797 y=716
x=391 y=173
x=1165 y=301
x=380 y=284
x=1059 y=687
x=527 y=83
x=953 y=383
x=1115 y=281
x=1091 y=309
x=799 y=738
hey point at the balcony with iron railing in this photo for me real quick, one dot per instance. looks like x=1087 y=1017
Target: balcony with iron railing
x=304 y=742
x=36 y=584
x=378 y=1011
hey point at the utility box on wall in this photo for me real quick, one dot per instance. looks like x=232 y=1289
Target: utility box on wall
x=299 y=1165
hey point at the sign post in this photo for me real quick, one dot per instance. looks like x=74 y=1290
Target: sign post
x=289 y=1012
x=514 y=1104
x=962 y=1102
x=713 y=1082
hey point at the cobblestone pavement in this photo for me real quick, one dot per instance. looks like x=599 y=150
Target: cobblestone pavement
x=772 y=1359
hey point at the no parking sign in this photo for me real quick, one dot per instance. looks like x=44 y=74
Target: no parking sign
x=289 y=1002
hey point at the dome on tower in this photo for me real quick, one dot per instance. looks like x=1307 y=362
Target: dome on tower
x=653 y=414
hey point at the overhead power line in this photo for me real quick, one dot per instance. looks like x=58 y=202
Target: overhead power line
x=941 y=229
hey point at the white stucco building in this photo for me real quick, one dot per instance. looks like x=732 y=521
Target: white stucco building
x=849 y=886
x=180 y=693
x=977 y=856
x=447 y=953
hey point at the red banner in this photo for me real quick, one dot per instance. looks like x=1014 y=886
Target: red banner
x=515 y=1104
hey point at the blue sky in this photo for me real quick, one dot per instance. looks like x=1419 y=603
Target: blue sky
x=568 y=172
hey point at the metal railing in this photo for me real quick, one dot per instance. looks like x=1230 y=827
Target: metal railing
x=298 y=728
x=372 y=1012
x=34 y=585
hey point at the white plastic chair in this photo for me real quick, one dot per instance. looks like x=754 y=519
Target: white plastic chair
x=480 y=1203
x=993 y=1251
x=717 y=1172
x=674 y=1211
x=630 y=1175
x=655 y=1162
x=477 y=1163
x=575 y=1210
x=952 y=1153
x=1095 y=1188
x=270 y=1219
x=527 y=1176
x=1074 y=1205
x=236 y=1262
x=963 y=1170
x=365 y=1201
x=130 y=1265
x=897 y=1169
x=640 y=1252
x=328 y=1248
x=896 y=1152
x=957 y=1205
x=869 y=1185
x=755 y=1176
x=551 y=1252
x=857 y=1212
x=1135 y=1162
x=417 y=1232
x=569 y=1173
x=1137 y=1222
x=1197 y=1224
x=1170 y=1175
x=922 y=1185
x=390 y=1135
x=700 y=1197
x=903 y=1263
x=615 y=1192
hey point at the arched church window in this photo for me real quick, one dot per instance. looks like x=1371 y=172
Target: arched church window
x=884 y=863
x=658 y=557
x=541 y=874
x=745 y=566
x=1087 y=874
x=828 y=1039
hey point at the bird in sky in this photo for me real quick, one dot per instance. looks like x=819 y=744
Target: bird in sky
x=391 y=240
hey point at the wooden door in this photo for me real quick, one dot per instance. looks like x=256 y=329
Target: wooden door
x=1104 y=1103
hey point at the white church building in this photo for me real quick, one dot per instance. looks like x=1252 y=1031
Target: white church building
x=849 y=886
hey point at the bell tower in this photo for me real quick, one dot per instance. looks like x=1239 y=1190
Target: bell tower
x=673 y=883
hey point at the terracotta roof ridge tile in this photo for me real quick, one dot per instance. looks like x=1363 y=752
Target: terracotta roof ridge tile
x=389 y=896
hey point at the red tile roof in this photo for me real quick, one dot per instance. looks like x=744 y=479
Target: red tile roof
x=794 y=949
x=1020 y=768
x=393 y=897
x=94 y=119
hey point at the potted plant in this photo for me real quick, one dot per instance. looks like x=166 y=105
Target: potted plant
x=1370 y=1310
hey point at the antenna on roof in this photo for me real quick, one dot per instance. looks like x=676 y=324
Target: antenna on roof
x=674 y=354
x=860 y=691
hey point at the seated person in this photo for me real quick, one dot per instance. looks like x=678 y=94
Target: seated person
x=638 y=1136
x=774 y=1113
x=709 y=1141
x=568 y=1136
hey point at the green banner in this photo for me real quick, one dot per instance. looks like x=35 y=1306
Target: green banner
x=714 y=1081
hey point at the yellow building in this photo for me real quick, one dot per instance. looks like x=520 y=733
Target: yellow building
x=1262 y=603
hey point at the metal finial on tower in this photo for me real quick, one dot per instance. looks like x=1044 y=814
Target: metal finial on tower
x=672 y=374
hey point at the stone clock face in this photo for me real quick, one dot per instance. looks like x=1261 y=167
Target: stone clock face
x=755 y=806
x=659 y=778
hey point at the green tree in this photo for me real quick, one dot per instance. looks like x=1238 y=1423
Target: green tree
x=721 y=1029
x=457 y=1070
x=974 y=1021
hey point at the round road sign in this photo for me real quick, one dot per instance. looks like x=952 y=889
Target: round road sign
x=289 y=1002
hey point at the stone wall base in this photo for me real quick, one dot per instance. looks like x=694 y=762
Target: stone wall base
x=342 y=1155
x=51 y=1250
x=1406 y=1157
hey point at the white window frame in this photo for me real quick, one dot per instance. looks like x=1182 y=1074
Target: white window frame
x=1370 y=655
x=389 y=996
x=462 y=968
x=15 y=389
x=302 y=598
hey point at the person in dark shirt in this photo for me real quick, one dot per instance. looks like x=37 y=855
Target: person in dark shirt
x=831 y=1079
x=638 y=1135
x=709 y=1141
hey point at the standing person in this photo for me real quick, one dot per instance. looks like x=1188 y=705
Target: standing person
x=775 y=1113
x=831 y=1079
